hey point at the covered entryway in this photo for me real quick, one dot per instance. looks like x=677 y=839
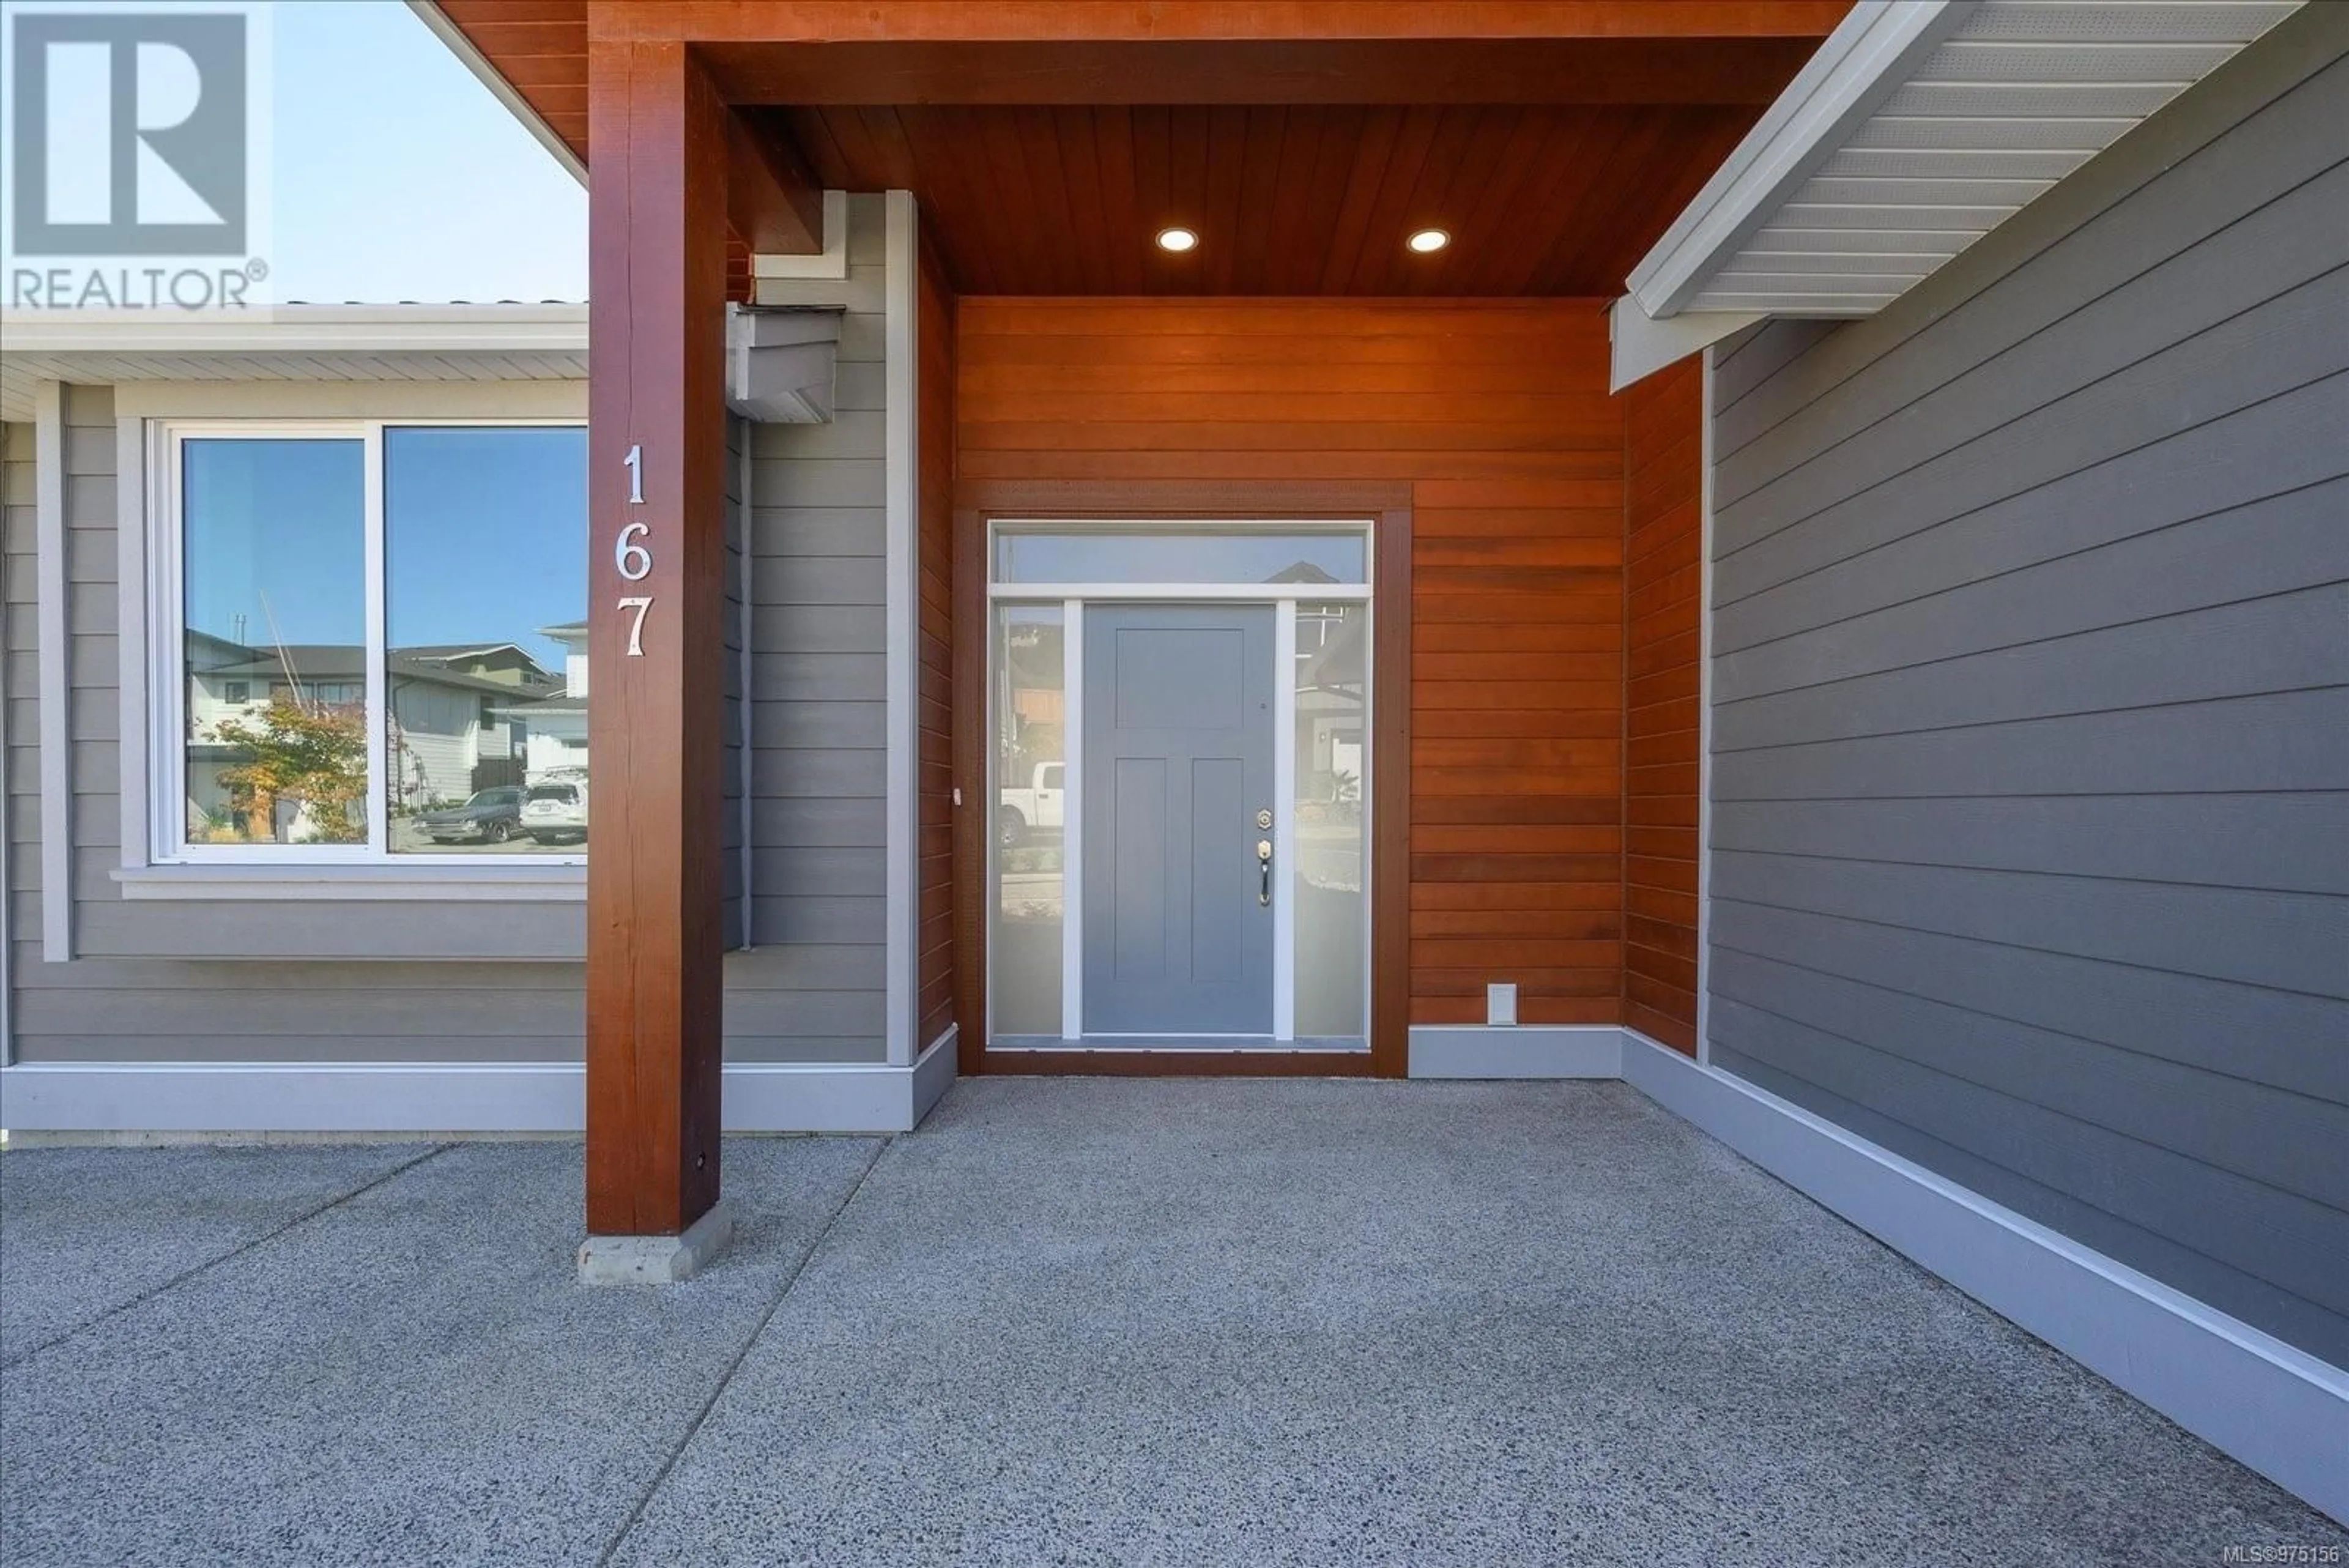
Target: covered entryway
x=1254 y=638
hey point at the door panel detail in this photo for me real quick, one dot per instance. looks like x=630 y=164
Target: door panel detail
x=1178 y=725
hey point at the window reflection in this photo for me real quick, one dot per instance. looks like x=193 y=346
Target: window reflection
x=274 y=569
x=1031 y=775
x=1195 y=558
x=485 y=724
x=1332 y=785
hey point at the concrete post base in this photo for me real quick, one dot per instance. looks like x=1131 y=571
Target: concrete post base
x=657 y=1260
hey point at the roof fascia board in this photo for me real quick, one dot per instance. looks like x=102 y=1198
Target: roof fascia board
x=299 y=329
x=1862 y=63
x=428 y=11
x=1639 y=346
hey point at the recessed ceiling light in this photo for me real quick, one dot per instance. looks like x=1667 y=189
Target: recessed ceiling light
x=1428 y=240
x=1177 y=240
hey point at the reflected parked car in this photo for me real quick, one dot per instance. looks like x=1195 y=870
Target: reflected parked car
x=491 y=816
x=555 y=811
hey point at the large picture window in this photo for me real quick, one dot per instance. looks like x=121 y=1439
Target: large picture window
x=377 y=642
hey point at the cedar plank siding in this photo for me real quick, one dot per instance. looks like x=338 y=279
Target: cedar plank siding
x=1663 y=445
x=2031 y=756
x=1496 y=414
x=934 y=974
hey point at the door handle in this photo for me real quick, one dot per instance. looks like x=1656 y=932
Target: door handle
x=1263 y=866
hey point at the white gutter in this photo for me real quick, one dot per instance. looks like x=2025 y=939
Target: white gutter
x=1863 y=62
x=449 y=33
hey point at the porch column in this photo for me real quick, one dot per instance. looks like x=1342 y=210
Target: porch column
x=657 y=281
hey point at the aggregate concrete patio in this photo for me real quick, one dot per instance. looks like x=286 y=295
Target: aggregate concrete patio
x=1067 y=1321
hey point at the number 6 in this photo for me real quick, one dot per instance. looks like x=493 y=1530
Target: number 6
x=633 y=560
x=636 y=627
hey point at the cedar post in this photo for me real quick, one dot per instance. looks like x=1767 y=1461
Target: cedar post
x=658 y=195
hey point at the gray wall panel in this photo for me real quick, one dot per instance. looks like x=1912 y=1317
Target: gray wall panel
x=2030 y=775
x=2291 y=942
x=2291 y=1317
x=2290 y=740
x=2291 y=1242
x=2185 y=1110
x=2242 y=1031
x=812 y=986
x=2066 y=583
x=2296 y=843
x=2284 y=640
x=2065 y=245
x=731 y=927
x=281 y=981
x=2286 y=343
x=2058 y=334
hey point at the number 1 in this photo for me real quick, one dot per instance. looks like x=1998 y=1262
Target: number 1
x=635 y=462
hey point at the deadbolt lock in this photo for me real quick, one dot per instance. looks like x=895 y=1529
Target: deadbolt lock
x=1264 y=819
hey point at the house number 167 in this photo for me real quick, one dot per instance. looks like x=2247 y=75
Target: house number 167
x=631 y=558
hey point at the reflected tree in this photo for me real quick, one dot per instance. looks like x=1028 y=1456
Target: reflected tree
x=315 y=757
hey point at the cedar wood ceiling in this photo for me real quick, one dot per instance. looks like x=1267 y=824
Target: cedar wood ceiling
x=1307 y=195
x=1305 y=199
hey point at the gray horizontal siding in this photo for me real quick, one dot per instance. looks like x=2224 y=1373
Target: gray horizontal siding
x=2030 y=772
x=20 y=734
x=814 y=983
x=731 y=927
x=157 y=1007
x=286 y=982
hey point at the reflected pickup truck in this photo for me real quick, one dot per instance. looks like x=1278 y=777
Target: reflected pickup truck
x=1020 y=812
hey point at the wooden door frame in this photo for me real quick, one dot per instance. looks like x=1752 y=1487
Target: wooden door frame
x=1387 y=506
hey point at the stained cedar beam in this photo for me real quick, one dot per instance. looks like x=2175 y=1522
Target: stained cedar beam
x=1662 y=70
x=656 y=285
x=772 y=199
x=958 y=21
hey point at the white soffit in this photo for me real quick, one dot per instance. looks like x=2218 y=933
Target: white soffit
x=291 y=343
x=1919 y=127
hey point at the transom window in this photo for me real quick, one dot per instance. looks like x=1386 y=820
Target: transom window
x=1180 y=554
x=371 y=641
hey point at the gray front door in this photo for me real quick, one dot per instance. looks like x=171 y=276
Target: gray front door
x=1177 y=763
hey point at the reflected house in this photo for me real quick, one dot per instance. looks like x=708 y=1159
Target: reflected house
x=553 y=726
x=1034 y=715
x=451 y=728
x=452 y=732
x=1332 y=650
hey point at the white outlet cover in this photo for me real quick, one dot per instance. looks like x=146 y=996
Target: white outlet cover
x=1500 y=1002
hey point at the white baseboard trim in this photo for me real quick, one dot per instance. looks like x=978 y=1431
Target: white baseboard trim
x=1478 y=1051
x=934 y=1072
x=439 y=1096
x=2277 y=1409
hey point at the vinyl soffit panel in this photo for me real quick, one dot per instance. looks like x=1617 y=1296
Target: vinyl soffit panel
x=2016 y=96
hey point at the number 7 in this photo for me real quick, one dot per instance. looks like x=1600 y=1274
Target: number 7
x=640 y=604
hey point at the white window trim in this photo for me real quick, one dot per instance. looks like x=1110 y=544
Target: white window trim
x=163 y=865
